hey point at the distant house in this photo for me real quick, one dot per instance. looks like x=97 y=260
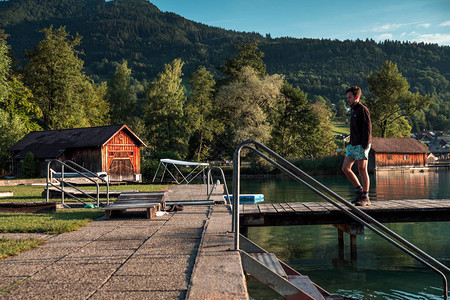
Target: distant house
x=113 y=149
x=427 y=136
x=397 y=153
x=440 y=147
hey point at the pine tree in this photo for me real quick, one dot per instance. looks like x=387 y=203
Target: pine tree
x=164 y=115
x=247 y=55
x=121 y=96
x=200 y=109
x=66 y=96
x=5 y=66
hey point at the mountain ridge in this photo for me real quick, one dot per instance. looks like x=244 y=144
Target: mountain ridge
x=136 y=30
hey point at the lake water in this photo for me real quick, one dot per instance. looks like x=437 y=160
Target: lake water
x=381 y=270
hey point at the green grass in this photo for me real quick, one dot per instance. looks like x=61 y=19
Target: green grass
x=14 y=247
x=131 y=187
x=22 y=193
x=340 y=128
x=28 y=193
x=50 y=223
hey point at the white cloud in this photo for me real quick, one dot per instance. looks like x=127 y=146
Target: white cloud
x=445 y=23
x=387 y=27
x=384 y=36
x=435 y=38
x=425 y=25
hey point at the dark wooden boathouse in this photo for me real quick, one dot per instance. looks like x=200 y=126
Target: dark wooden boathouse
x=113 y=149
x=397 y=153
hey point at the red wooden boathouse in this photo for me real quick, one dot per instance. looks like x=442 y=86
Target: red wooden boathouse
x=113 y=149
x=397 y=153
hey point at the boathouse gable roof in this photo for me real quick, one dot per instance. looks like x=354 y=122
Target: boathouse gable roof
x=52 y=143
x=398 y=145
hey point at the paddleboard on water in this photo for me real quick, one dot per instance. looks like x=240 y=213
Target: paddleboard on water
x=248 y=198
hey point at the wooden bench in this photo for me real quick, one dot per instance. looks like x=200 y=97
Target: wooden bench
x=151 y=208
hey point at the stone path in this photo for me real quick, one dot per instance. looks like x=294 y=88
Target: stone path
x=184 y=254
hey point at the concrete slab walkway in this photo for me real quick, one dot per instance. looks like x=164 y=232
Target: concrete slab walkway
x=181 y=255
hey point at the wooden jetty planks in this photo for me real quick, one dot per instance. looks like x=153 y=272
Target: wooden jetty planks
x=298 y=207
x=287 y=208
x=267 y=208
x=302 y=213
x=279 y=208
x=315 y=206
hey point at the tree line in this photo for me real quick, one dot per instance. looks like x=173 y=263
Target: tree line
x=197 y=118
x=136 y=30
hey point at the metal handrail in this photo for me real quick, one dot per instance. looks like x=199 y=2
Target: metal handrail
x=64 y=165
x=212 y=188
x=354 y=212
x=93 y=175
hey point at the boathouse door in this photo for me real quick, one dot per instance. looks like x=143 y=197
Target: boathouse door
x=122 y=157
x=121 y=169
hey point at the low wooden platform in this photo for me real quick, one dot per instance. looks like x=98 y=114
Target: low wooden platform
x=151 y=208
x=149 y=201
x=316 y=213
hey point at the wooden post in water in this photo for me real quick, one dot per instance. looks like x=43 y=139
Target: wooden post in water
x=353 y=249
x=353 y=230
x=244 y=231
x=341 y=244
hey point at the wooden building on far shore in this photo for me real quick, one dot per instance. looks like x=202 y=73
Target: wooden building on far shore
x=113 y=149
x=397 y=154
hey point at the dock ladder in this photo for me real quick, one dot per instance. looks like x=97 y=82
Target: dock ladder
x=266 y=268
x=58 y=181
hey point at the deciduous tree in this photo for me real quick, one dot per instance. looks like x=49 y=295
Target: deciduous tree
x=392 y=102
x=301 y=129
x=12 y=129
x=247 y=104
x=18 y=114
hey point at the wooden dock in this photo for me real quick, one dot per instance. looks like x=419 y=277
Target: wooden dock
x=317 y=213
x=185 y=254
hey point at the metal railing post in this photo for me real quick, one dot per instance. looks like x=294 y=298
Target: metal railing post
x=236 y=192
x=47 y=181
x=355 y=213
x=209 y=179
x=62 y=182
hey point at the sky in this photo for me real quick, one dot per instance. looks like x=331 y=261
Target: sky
x=425 y=21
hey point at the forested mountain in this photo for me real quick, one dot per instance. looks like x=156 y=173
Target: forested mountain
x=147 y=38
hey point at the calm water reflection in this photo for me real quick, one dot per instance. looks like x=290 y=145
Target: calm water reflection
x=381 y=271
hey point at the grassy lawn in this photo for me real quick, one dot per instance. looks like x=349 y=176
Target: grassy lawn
x=51 y=223
x=33 y=193
x=14 y=247
x=340 y=128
